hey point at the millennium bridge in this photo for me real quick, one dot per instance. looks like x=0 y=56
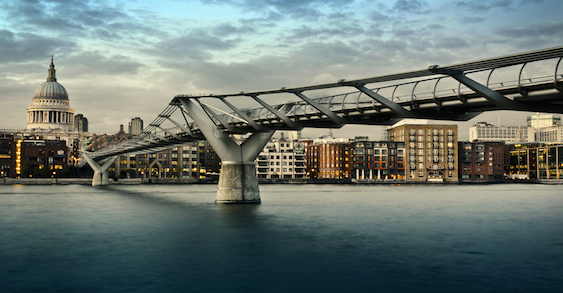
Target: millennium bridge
x=531 y=81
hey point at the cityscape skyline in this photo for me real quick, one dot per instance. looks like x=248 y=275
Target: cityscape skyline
x=133 y=57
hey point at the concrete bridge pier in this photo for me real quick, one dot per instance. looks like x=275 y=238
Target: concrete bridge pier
x=100 y=172
x=237 y=182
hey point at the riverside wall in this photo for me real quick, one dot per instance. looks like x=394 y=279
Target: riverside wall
x=134 y=181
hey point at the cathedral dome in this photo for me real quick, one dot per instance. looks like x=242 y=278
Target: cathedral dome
x=51 y=89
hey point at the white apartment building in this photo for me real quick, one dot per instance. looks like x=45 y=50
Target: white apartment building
x=282 y=158
x=550 y=134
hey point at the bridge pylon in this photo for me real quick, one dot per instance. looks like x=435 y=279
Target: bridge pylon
x=238 y=182
x=100 y=172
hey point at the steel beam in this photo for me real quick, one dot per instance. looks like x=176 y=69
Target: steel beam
x=394 y=107
x=241 y=114
x=331 y=115
x=284 y=118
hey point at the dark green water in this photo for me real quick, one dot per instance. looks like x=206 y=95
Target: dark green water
x=310 y=238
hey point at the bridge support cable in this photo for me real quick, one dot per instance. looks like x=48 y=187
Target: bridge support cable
x=100 y=172
x=284 y=118
x=331 y=115
x=237 y=182
x=394 y=107
x=499 y=100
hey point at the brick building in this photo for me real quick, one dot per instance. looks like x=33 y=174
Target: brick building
x=483 y=161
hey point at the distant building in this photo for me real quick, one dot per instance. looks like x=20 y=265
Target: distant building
x=282 y=158
x=483 y=161
x=550 y=134
x=329 y=158
x=431 y=151
x=51 y=106
x=80 y=123
x=179 y=162
x=135 y=126
x=541 y=120
x=483 y=131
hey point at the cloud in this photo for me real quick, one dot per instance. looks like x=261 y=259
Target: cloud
x=93 y=64
x=24 y=47
x=302 y=9
x=410 y=6
x=196 y=45
x=478 y=6
x=306 y=32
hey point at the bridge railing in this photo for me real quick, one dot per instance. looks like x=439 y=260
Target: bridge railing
x=517 y=76
x=516 y=72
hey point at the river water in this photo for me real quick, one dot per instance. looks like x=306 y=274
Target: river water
x=302 y=238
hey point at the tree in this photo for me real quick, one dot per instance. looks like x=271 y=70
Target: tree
x=45 y=172
x=26 y=170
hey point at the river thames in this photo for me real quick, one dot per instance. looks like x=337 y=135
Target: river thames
x=302 y=238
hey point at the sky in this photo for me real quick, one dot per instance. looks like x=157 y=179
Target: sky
x=124 y=59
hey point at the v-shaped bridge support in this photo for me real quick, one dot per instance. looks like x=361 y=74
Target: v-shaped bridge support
x=100 y=172
x=237 y=182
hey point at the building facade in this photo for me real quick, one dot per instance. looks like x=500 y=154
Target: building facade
x=7 y=155
x=483 y=131
x=550 y=134
x=282 y=158
x=483 y=161
x=536 y=161
x=51 y=106
x=80 y=123
x=378 y=159
x=329 y=158
x=135 y=126
x=431 y=151
x=542 y=120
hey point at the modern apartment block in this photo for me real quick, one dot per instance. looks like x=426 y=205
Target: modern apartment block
x=483 y=131
x=431 y=151
x=282 y=158
x=536 y=161
x=483 y=161
x=378 y=159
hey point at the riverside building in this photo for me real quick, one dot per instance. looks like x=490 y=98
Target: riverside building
x=282 y=158
x=483 y=161
x=378 y=159
x=431 y=150
x=329 y=158
x=536 y=161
